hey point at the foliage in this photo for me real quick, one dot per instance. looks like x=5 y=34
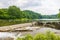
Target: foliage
x=13 y=22
x=59 y=15
x=40 y=36
x=49 y=16
x=31 y=15
x=13 y=12
x=13 y=15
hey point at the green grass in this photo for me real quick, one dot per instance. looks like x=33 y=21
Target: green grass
x=40 y=36
x=12 y=22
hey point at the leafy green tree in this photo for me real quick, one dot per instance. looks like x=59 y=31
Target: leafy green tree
x=31 y=15
x=59 y=15
x=3 y=14
x=14 y=12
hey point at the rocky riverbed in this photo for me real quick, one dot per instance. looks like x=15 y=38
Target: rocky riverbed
x=55 y=25
x=41 y=28
x=12 y=35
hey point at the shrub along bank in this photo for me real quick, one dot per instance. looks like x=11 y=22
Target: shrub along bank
x=40 y=36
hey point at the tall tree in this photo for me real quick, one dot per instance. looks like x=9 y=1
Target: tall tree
x=59 y=14
x=14 y=12
x=3 y=14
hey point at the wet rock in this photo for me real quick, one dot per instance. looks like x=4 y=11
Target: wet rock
x=57 y=25
x=40 y=23
x=48 y=25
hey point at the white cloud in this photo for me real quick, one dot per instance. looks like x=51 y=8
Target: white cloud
x=45 y=7
x=20 y=2
x=1 y=5
x=48 y=7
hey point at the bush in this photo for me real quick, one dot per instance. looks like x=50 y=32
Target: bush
x=13 y=22
x=40 y=36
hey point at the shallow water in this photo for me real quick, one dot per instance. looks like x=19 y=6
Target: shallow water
x=15 y=34
x=7 y=34
x=48 y=29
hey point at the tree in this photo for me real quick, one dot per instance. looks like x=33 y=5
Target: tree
x=3 y=14
x=14 y=12
x=59 y=14
x=31 y=15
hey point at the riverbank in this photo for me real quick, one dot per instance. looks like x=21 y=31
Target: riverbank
x=13 y=27
x=5 y=22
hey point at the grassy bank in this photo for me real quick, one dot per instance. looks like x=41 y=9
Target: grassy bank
x=40 y=36
x=15 y=21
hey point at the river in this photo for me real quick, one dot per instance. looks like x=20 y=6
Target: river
x=15 y=34
x=41 y=30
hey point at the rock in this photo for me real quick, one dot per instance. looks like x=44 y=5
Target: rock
x=56 y=24
x=49 y=25
x=40 y=23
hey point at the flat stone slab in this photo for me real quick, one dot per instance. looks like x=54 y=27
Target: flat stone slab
x=13 y=27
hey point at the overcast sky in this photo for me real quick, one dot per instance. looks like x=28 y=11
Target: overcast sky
x=45 y=7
